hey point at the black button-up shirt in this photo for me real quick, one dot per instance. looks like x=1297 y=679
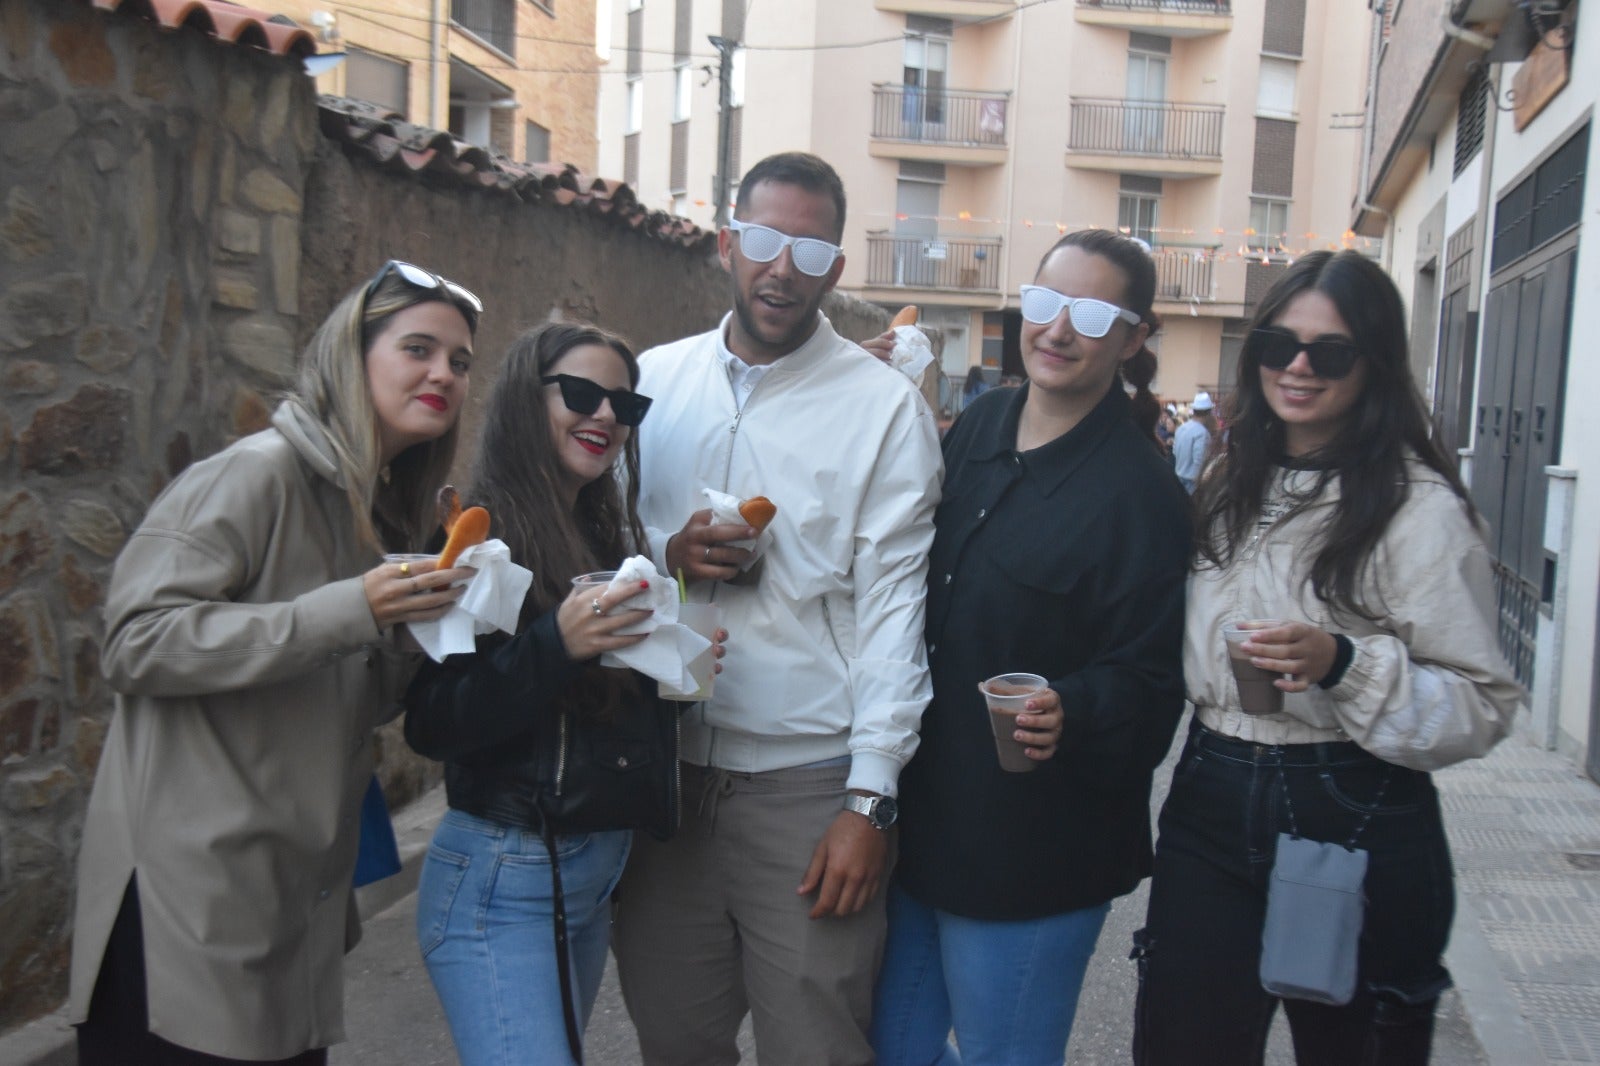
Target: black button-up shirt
x=1067 y=561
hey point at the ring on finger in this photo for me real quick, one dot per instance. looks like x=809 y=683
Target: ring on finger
x=405 y=569
x=708 y=554
x=595 y=603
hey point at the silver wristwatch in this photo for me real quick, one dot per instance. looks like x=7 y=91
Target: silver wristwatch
x=881 y=811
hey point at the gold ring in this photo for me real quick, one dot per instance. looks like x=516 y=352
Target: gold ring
x=595 y=603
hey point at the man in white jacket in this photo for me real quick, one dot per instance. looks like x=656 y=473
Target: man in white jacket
x=770 y=898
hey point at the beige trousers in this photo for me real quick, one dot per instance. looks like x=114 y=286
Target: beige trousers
x=708 y=926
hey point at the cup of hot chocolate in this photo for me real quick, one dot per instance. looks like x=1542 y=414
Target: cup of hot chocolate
x=1257 y=693
x=1007 y=696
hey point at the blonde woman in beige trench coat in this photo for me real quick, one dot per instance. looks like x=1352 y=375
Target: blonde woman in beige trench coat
x=250 y=636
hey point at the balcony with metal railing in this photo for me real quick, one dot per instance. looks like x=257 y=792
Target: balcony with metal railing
x=934 y=264
x=1183 y=274
x=1165 y=18
x=1153 y=137
x=956 y=126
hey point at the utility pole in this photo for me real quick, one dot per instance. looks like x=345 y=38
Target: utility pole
x=721 y=180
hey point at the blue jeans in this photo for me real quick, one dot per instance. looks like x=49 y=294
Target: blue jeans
x=1010 y=989
x=1200 y=997
x=485 y=924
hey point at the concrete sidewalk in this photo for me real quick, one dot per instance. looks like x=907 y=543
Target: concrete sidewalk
x=1525 y=951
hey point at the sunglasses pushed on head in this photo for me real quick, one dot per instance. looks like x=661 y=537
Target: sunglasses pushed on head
x=462 y=297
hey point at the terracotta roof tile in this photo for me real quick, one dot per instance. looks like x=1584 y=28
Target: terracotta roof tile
x=384 y=138
x=229 y=22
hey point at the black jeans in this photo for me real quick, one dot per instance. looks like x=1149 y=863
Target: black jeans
x=1200 y=997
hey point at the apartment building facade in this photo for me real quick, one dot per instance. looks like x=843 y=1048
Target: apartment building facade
x=514 y=76
x=1481 y=149
x=971 y=133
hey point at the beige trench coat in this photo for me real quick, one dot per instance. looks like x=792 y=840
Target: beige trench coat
x=250 y=676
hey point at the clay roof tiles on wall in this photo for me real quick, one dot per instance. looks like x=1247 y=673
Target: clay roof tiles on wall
x=228 y=22
x=366 y=130
x=384 y=138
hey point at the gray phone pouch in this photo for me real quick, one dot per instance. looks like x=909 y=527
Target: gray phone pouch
x=1310 y=942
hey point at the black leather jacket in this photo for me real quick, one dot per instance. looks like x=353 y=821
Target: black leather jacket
x=513 y=750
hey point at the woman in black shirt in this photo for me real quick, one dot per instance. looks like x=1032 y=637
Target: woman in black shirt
x=1061 y=548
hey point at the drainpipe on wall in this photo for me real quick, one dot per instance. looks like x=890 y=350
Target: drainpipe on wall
x=435 y=47
x=1370 y=132
x=1011 y=166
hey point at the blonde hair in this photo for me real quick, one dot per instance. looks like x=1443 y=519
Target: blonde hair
x=393 y=510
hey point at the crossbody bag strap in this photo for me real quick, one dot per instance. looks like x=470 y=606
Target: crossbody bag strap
x=569 y=1010
x=1325 y=775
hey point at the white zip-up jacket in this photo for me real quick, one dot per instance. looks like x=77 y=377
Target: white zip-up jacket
x=825 y=650
x=1427 y=687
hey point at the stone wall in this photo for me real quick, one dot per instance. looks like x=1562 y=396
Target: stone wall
x=150 y=190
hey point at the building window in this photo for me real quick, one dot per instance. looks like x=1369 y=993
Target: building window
x=377 y=79
x=924 y=65
x=494 y=22
x=635 y=105
x=537 y=147
x=1470 y=116
x=1269 y=223
x=1275 y=90
x=1138 y=206
x=683 y=92
x=1136 y=216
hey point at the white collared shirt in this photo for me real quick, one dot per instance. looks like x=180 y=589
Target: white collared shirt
x=743 y=376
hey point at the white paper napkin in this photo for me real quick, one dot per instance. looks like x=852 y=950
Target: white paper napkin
x=671 y=648
x=493 y=600
x=725 y=509
x=912 y=354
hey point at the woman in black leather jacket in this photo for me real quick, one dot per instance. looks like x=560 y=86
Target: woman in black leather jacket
x=497 y=879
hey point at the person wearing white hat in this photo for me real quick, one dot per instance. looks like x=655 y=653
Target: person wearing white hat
x=1193 y=440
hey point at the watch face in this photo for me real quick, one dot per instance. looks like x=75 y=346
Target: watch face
x=885 y=812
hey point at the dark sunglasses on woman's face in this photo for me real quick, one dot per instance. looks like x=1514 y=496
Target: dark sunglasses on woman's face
x=583 y=397
x=1331 y=358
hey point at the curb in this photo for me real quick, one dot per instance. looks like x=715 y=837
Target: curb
x=1486 y=998
x=51 y=1041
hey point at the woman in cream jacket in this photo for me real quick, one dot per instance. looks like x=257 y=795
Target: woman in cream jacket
x=1332 y=519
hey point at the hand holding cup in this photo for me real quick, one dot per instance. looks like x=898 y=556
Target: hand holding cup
x=411 y=588
x=1297 y=653
x=589 y=619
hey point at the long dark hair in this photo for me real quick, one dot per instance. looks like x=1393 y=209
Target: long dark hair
x=1133 y=259
x=518 y=474
x=518 y=477
x=1387 y=424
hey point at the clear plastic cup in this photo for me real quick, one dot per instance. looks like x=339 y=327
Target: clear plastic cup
x=705 y=619
x=1007 y=696
x=1257 y=693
